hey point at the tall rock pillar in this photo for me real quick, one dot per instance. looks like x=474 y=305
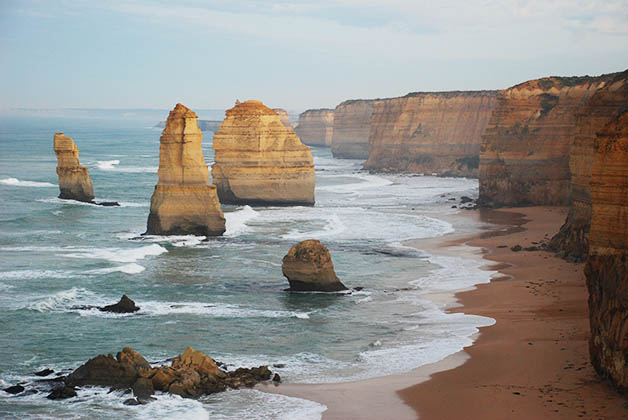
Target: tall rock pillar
x=74 y=181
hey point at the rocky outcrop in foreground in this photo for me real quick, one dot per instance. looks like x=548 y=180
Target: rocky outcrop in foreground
x=524 y=158
x=184 y=202
x=431 y=132
x=316 y=127
x=607 y=263
x=190 y=375
x=260 y=161
x=74 y=181
x=352 y=126
x=308 y=268
x=572 y=242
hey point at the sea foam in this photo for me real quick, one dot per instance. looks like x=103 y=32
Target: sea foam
x=14 y=182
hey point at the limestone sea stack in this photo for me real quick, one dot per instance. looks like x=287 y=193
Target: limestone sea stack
x=430 y=132
x=572 y=242
x=607 y=264
x=74 y=181
x=308 y=268
x=283 y=116
x=524 y=159
x=260 y=161
x=316 y=127
x=184 y=202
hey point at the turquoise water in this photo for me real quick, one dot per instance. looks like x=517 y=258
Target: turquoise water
x=224 y=296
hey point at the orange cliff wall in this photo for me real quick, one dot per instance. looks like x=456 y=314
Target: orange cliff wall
x=611 y=100
x=524 y=158
x=607 y=263
x=437 y=132
x=352 y=125
x=316 y=127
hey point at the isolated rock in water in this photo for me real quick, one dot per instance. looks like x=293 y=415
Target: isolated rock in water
x=15 y=389
x=308 y=267
x=62 y=392
x=259 y=161
x=607 y=264
x=74 y=181
x=184 y=202
x=283 y=117
x=125 y=305
x=44 y=372
x=316 y=127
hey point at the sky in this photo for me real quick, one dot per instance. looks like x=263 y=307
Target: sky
x=293 y=54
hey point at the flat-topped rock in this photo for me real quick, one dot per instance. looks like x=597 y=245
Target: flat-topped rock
x=308 y=268
x=316 y=127
x=184 y=202
x=74 y=181
x=260 y=161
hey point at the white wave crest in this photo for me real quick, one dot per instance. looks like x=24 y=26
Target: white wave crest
x=236 y=220
x=131 y=268
x=14 y=182
x=124 y=255
x=112 y=165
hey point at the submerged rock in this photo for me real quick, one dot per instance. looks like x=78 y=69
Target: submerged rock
x=125 y=305
x=74 y=181
x=184 y=202
x=62 y=393
x=308 y=267
x=15 y=389
x=45 y=372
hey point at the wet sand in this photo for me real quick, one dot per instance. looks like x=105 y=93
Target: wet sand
x=532 y=364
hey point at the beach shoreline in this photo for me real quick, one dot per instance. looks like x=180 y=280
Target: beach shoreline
x=533 y=363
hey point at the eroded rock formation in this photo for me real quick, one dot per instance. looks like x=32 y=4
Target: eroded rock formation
x=437 y=132
x=184 y=202
x=74 y=181
x=607 y=263
x=259 y=161
x=316 y=127
x=352 y=126
x=524 y=159
x=606 y=104
x=283 y=117
x=308 y=267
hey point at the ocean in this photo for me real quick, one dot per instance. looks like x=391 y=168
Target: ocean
x=224 y=296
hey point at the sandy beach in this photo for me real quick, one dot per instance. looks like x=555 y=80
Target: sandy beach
x=532 y=364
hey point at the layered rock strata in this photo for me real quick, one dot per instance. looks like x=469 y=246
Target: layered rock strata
x=283 y=117
x=184 y=202
x=308 y=268
x=524 y=158
x=316 y=127
x=605 y=105
x=260 y=161
x=607 y=263
x=439 y=132
x=74 y=181
x=352 y=126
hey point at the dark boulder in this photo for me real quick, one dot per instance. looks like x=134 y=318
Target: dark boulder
x=15 y=389
x=125 y=305
x=45 y=372
x=62 y=392
x=103 y=371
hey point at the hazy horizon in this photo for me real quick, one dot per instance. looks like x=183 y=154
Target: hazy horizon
x=294 y=55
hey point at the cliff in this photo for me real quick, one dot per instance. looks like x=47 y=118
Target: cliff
x=259 y=160
x=524 y=158
x=283 y=117
x=74 y=181
x=184 y=202
x=352 y=126
x=605 y=105
x=316 y=127
x=607 y=263
x=437 y=132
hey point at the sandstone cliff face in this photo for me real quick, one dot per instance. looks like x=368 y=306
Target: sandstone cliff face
x=184 y=202
x=604 y=106
x=352 y=126
x=74 y=181
x=437 y=132
x=607 y=264
x=316 y=127
x=524 y=159
x=283 y=117
x=259 y=161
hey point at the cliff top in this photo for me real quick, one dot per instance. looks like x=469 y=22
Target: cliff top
x=445 y=94
x=559 y=82
x=181 y=111
x=250 y=107
x=317 y=110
